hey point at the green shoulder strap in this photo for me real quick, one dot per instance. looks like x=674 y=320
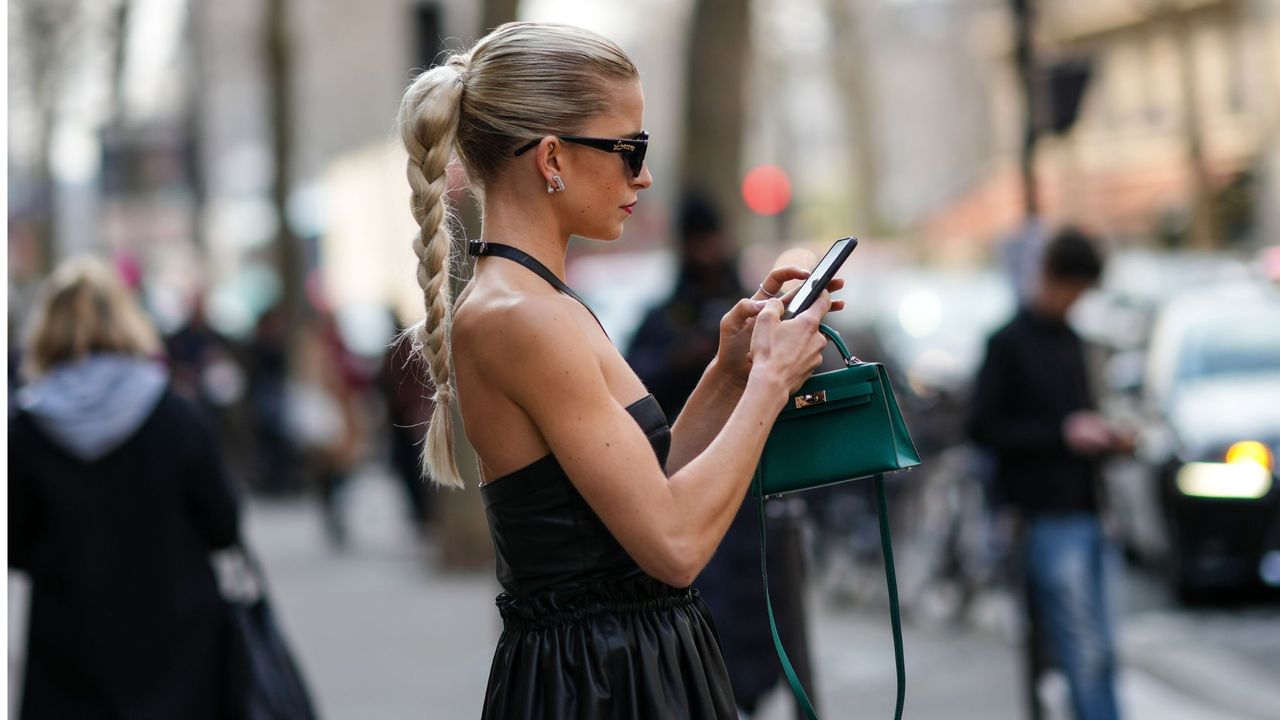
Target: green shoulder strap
x=802 y=699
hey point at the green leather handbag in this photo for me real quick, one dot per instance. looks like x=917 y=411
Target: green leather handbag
x=840 y=425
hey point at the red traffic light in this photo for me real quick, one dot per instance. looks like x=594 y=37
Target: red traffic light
x=766 y=189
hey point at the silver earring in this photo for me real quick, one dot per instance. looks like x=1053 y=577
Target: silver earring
x=556 y=184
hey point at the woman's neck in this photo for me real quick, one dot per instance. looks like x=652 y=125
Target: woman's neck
x=526 y=224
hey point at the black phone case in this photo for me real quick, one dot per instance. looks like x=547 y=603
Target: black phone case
x=822 y=282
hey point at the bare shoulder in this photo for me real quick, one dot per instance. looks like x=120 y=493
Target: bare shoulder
x=522 y=337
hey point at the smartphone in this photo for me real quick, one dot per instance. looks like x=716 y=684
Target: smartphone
x=821 y=275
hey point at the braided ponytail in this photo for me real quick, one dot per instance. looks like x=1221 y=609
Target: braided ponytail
x=428 y=123
x=521 y=81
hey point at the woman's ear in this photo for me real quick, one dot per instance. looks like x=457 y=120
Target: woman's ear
x=549 y=160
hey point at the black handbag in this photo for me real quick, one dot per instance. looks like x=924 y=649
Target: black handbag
x=264 y=681
x=839 y=426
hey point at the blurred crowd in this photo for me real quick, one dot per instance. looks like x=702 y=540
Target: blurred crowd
x=130 y=455
x=295 y=408
x=225 y=157
x=298 y=409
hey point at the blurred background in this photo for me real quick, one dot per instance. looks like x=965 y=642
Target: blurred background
x=235 y=161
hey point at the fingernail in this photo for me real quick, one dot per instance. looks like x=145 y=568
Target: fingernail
x=760 y=303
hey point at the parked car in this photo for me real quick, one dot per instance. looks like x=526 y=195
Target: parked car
x=1137 y=283
x=1203 y=501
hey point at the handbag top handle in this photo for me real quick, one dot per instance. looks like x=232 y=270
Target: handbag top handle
x=835 y=338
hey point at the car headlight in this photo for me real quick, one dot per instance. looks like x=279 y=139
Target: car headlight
x=1245 y=474
x=1251 y=451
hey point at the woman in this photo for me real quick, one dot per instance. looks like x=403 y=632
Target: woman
x=116 y=497
x=601 y=516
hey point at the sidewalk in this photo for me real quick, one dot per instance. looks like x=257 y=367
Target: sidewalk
x=379 y=633
x=382 y=635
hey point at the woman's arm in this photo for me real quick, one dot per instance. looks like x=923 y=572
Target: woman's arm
x=705 y=414
x=669 y=525
x=722 y=383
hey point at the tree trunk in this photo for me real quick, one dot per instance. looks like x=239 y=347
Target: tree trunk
x=49 y=29
x=856 y=94
x=464 y=529
x=1266 y=86
x=497 y=12
x=121 y=40
x=719 y=39
x=1025 y=55
x=45 y=190
x=1202 y=228
x=288 y=256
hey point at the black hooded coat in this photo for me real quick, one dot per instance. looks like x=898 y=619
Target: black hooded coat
x=116 y=497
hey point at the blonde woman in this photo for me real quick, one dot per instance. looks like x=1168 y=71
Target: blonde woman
x=601 y=515
x=116 y=497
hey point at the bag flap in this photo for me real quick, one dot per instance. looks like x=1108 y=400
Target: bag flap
x=814 y=450
x=837 y=388
x=816 y=400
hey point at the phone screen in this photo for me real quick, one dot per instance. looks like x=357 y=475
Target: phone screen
x=821 y=275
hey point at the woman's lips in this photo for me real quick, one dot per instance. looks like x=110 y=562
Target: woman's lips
x=629 y=208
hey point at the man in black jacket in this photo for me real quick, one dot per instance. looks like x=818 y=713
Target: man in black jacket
x=1032 y=408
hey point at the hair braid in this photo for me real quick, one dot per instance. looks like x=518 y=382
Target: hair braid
x=428 y=123
x=521 y=81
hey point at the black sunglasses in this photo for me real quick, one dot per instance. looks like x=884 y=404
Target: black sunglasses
x=631 y=149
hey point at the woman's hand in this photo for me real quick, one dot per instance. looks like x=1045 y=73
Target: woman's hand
x=783 y=280
x=736 y=327
x=733 y=355
x=789 y=350
x=775 y=283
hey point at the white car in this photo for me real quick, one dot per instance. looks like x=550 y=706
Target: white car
x=1206 y=503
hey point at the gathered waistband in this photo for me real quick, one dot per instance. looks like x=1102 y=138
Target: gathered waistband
x=559 y=608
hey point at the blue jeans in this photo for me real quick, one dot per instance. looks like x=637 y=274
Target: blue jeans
x=1067 y=560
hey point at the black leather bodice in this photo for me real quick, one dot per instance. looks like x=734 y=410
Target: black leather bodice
x=545 y=535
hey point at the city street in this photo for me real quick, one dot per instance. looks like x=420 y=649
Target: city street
x=243 y=234
x=383 y=636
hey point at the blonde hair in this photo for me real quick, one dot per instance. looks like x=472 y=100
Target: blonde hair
x=521 y=81
x=85 y=309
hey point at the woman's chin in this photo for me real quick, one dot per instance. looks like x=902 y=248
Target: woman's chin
x=603 y=235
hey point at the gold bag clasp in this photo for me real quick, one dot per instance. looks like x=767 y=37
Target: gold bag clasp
x=808 y=399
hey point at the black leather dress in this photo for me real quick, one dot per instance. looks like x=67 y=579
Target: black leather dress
x=586 y=633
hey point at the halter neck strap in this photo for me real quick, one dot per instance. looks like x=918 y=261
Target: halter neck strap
x=479 y=248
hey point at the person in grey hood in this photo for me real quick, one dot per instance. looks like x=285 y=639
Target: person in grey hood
x=116 y=498
x=92 y=406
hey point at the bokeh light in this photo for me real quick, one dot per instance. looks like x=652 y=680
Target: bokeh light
x=766 y=190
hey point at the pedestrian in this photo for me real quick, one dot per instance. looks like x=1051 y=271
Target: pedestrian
x=679 y=336
x=401 y=382
x=277 y=461
x=323 y=416
x=116 y=498
x=1033 y=409
x=676 y=340
x=601 y=515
